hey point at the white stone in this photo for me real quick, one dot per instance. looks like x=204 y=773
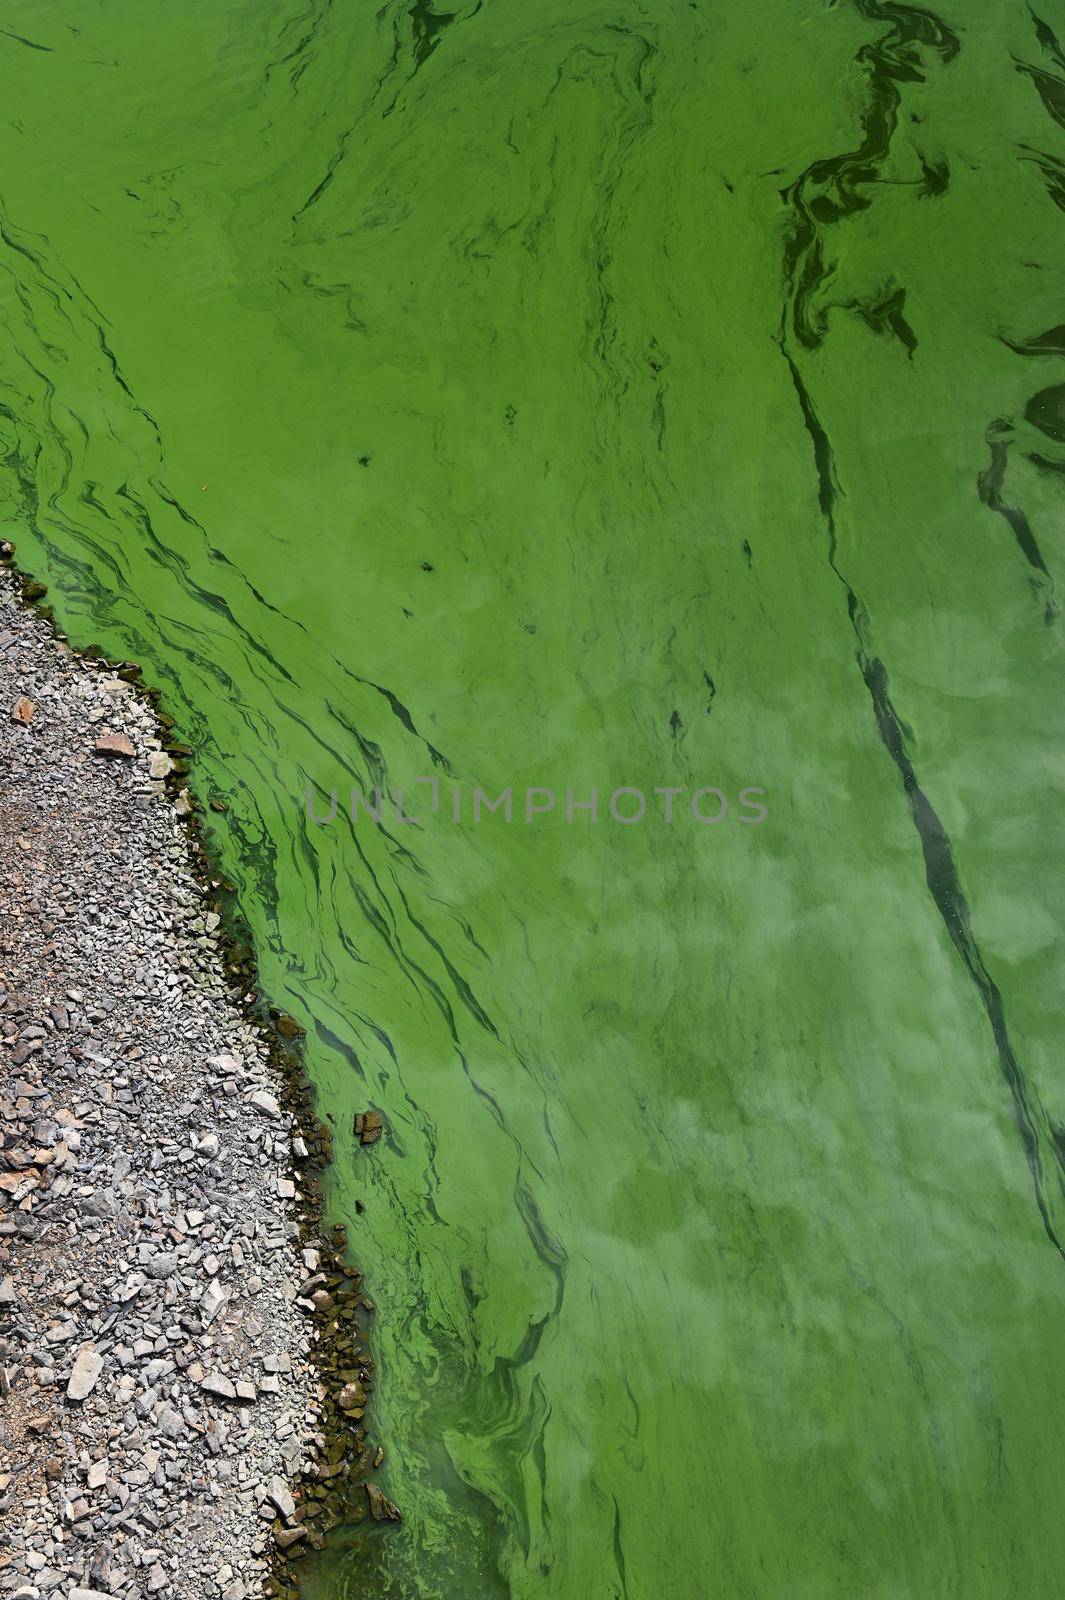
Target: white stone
x=212 y=1301
x=278 y=1491
x=88 y=1365
x=217 y=1383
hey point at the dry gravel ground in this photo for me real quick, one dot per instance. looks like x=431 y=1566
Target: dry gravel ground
x=157 y=1397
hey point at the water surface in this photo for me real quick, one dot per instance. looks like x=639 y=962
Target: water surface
x=580 y=396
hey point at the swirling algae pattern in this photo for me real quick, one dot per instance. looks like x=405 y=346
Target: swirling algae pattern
x=587 y=396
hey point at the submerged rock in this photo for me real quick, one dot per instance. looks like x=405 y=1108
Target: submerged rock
x=382 y=1509
x=352 y=1396
x=368 y=1126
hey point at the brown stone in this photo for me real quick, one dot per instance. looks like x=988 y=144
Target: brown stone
x=10 y=1181
x=113 y=744
x=22 y=711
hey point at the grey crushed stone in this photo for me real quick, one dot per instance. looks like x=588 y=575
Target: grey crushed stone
x=148 y=1238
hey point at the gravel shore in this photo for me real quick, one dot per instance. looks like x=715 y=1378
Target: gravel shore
x=161 y=1296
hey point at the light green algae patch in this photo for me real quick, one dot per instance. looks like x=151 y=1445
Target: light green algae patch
x=576 y=397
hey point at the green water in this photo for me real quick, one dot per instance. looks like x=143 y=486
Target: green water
x=580 y=396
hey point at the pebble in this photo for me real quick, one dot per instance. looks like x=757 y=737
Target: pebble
x=265 y=1102
x=114 y=744
x=281 y=1496
x=88 y=1365
x=217 y=1383
x=148 y=1248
